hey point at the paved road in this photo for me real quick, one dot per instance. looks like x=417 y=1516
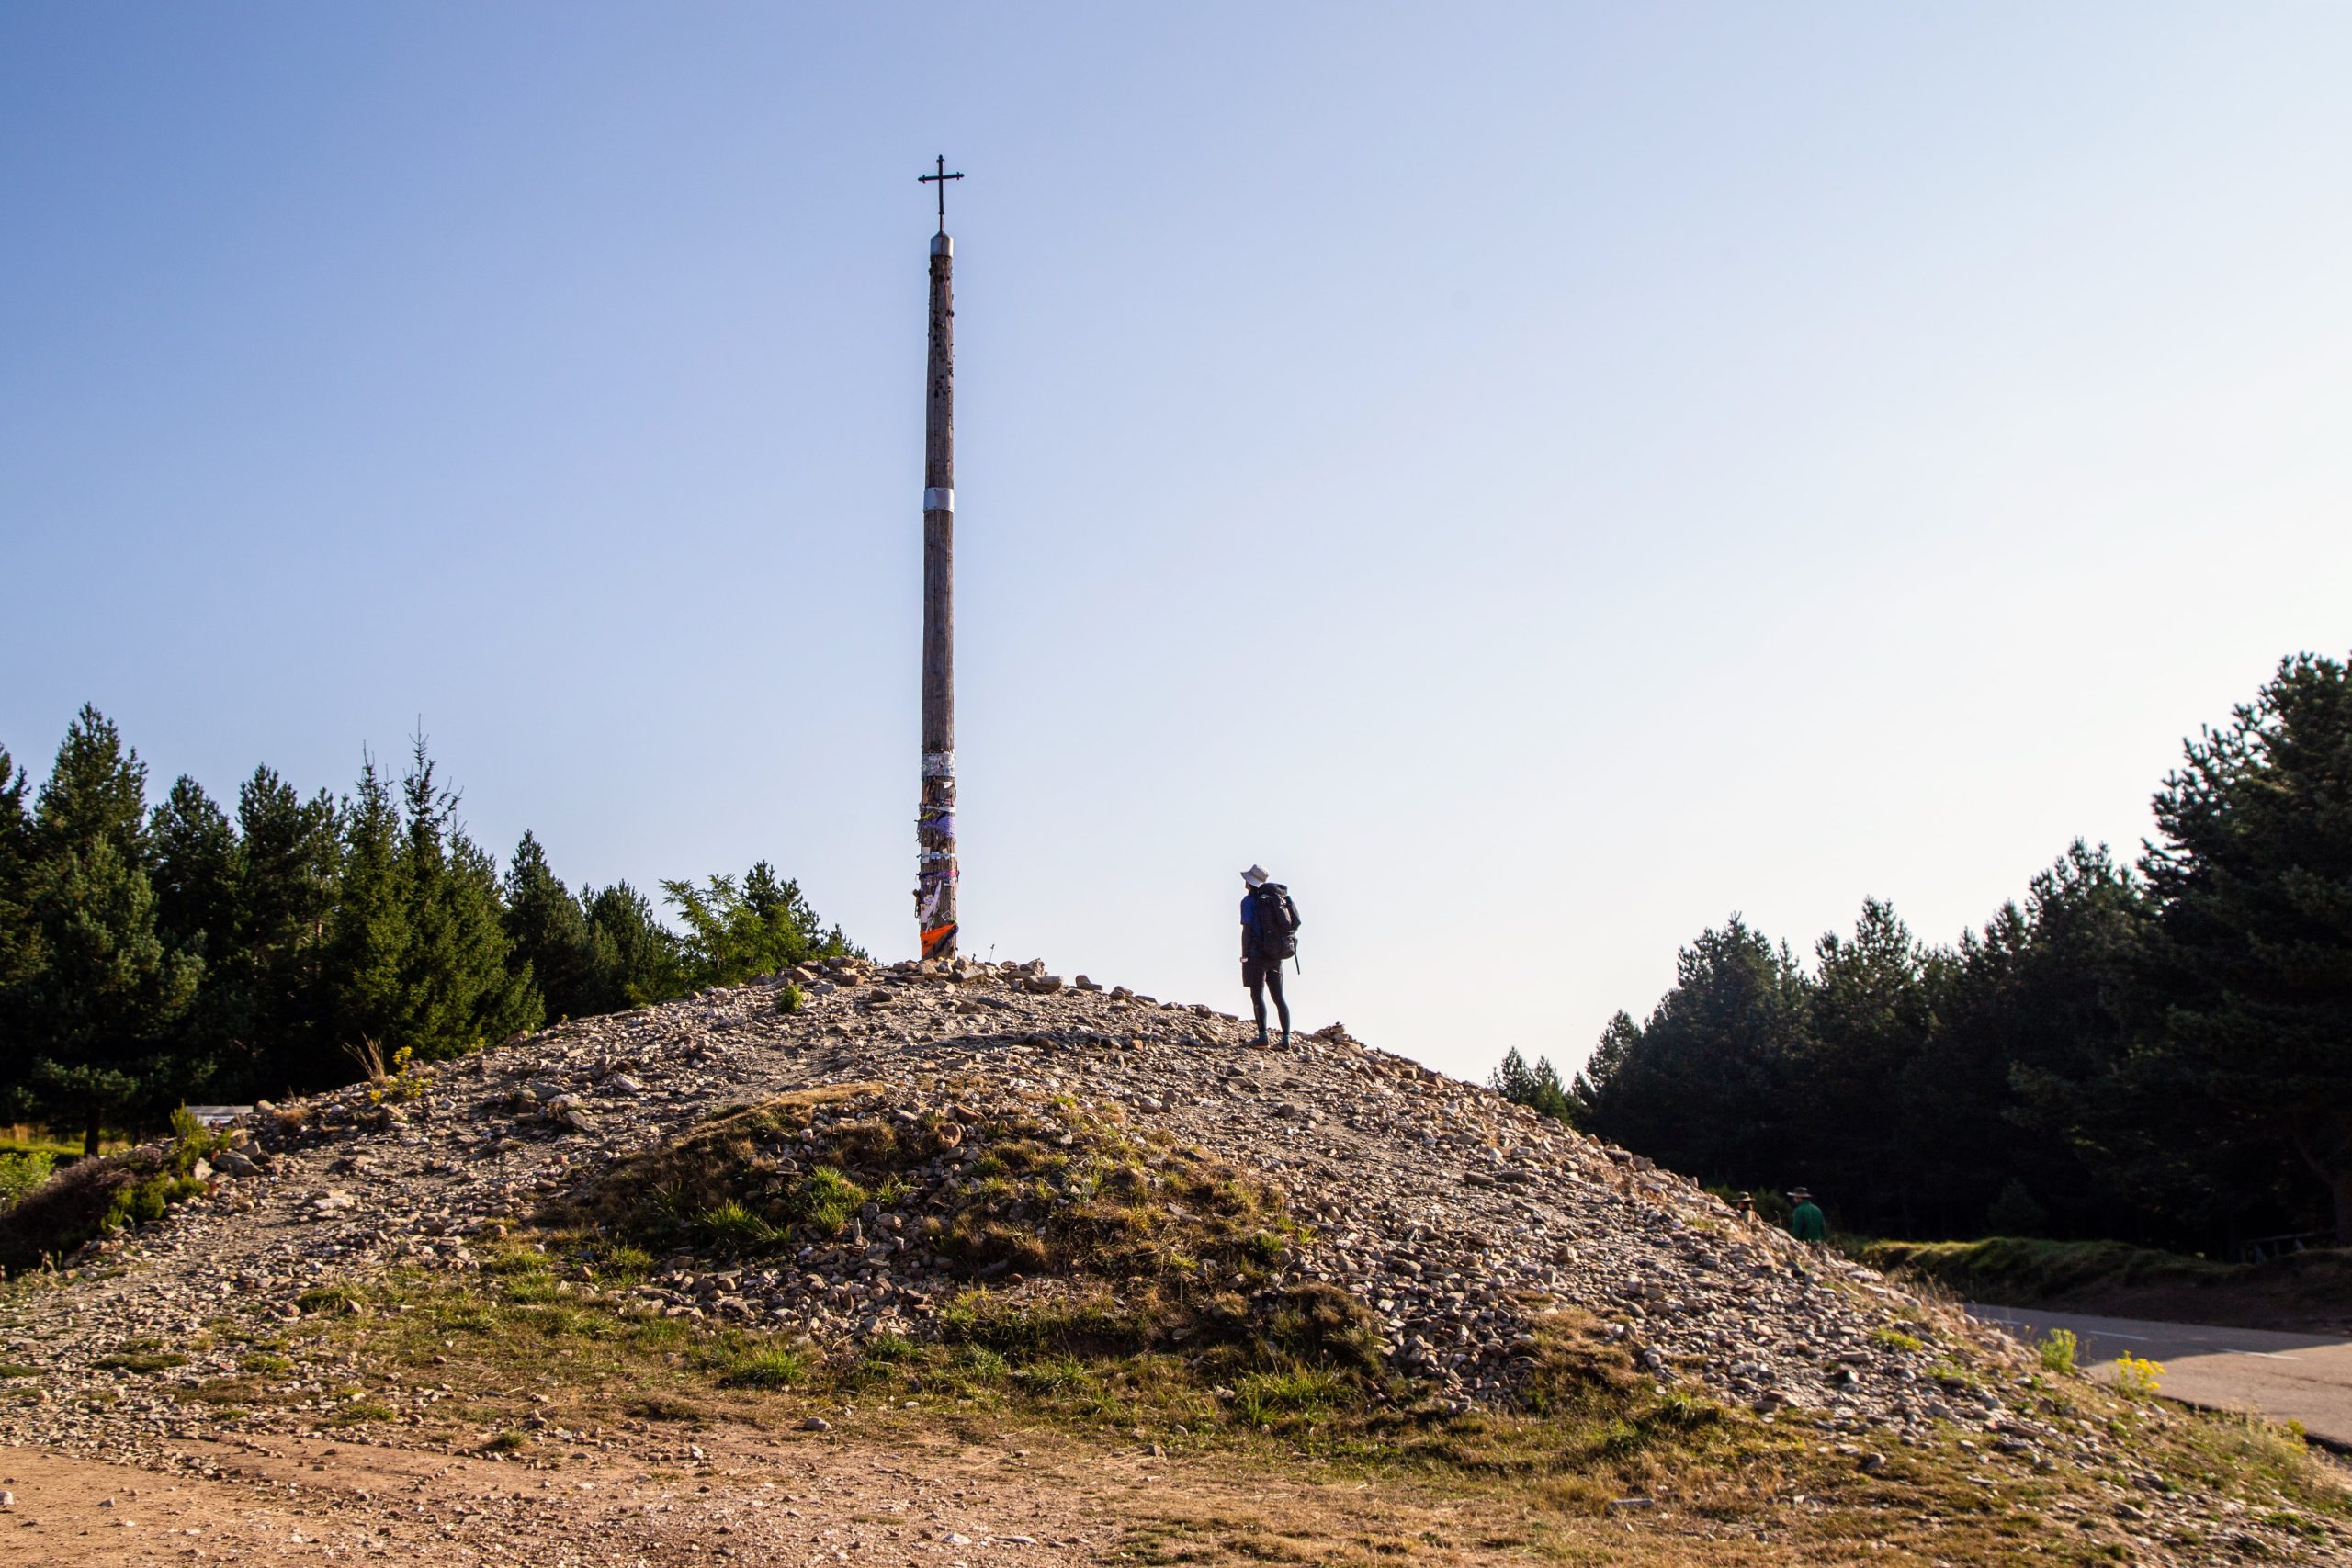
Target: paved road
x=2301 y=1377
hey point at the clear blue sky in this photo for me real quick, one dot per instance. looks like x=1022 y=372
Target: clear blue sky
x=1539 y=477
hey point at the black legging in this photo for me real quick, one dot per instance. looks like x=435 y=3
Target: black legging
x=1265 y=976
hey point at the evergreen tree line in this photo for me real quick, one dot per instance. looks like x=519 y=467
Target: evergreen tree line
x=150 y=956
x=2161 y=1052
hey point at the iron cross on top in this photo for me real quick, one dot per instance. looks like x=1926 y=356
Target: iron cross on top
x=940 y=179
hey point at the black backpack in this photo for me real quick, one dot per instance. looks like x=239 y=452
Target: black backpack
x=1277 y=922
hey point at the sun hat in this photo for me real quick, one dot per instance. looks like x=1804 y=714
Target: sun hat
x=1800 y=1193
x=1255 y=876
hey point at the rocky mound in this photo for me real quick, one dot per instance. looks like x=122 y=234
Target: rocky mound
x=851 y=1154
x=1452 y=1216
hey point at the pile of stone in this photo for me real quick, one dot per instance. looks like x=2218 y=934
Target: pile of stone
x=1456 y=1219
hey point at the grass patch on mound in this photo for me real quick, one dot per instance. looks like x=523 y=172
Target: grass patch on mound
x=1045 y=1230
x=1040 y=1188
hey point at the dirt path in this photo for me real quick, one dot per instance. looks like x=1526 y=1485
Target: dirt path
x=2288 y=1377
x=760 y=1500
x=298 y=1499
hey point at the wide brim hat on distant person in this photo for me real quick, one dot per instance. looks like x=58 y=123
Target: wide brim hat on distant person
x=1256 y=877
x=1800 y=1193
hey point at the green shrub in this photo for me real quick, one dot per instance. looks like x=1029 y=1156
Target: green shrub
x=2057 y=1349
x=2138 y=1378
x=21 y=1170
x=791 y=998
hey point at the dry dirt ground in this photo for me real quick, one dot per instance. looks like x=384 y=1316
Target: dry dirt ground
x=763 y=1501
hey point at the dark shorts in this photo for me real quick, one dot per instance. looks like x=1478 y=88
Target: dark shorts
x=1258 y=970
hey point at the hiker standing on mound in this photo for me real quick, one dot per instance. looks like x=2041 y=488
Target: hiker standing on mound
x=1269 y=936
x=1805 y=1222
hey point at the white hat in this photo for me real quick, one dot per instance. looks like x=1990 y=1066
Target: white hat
x=1255 y=876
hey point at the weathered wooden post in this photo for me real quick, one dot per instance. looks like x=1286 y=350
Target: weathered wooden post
x=935 y=820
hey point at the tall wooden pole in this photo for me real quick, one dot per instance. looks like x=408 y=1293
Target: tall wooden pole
x=935 y=873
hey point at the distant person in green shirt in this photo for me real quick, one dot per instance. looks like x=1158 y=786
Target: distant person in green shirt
x=1805 y=1222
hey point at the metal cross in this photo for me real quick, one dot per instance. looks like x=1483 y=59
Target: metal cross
x=941 y=178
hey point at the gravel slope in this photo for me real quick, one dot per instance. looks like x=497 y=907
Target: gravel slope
x=1457 y=1217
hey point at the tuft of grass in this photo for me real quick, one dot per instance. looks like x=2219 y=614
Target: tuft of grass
x=264 y=1364
x=1953 y=1375
x=828 y=1201
x=328 y=1299
x=979 y=1365
x=1894 y=1339
x=776 y=1367
x=141 y=1361
x=1057 y=1375
x=1262 y=1398
x=2057 y=1352
x=505 y=1442
x=733 y=1230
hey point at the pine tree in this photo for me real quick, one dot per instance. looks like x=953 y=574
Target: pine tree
x=638 y=958
x=368 y=939
x=418 y=952
x=458 y=990
x=1869 y=1017
x=2253 y=883
x=108 y=990
x=550 y=935
x=1704 y=1087
x=1537 y=1088
x=2032 y=1012
x=1620 y=1038
x=195 y=848
x=757 y=927
x=288 y=884
x=20 y=951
